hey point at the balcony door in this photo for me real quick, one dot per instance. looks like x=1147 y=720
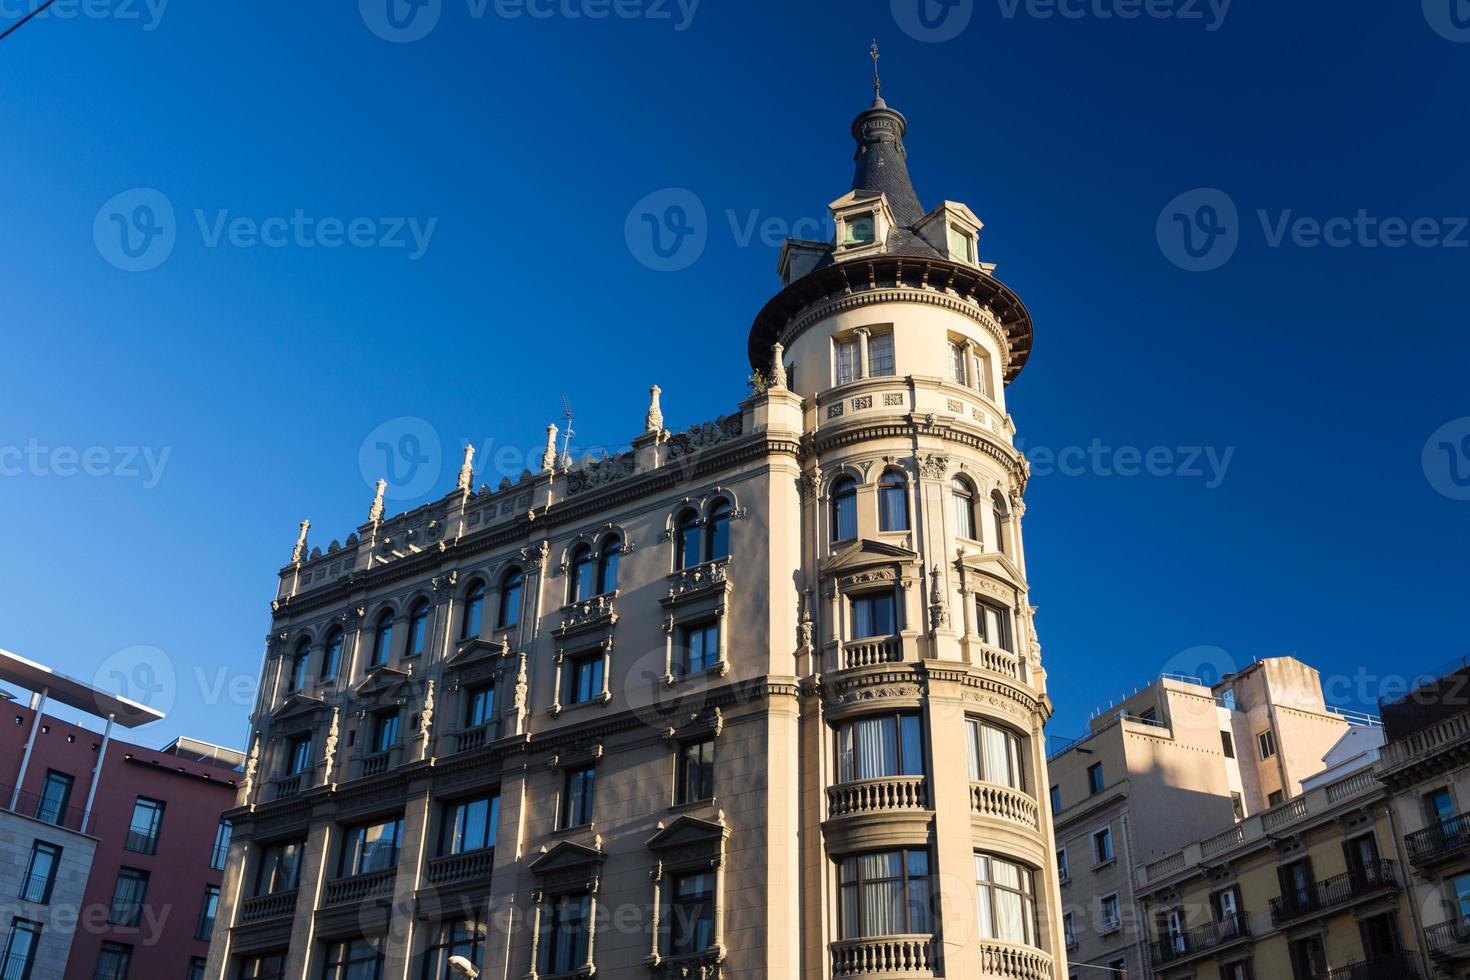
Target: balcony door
x=1380 y=936
x=1227 y=912
x=1362 y=858
x=1308 y=959
x=1298 y=886
x=1174 y=930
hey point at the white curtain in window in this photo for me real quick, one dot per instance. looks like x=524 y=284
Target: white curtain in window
x=874 y=751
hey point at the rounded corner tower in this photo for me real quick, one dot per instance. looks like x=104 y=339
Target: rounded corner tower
x=922 y=756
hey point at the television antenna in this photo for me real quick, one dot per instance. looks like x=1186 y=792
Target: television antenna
x=566 y=436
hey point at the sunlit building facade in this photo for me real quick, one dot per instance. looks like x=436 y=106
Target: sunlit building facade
x=758 y=699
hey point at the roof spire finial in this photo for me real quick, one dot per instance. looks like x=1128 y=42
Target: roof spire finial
x=877 y=82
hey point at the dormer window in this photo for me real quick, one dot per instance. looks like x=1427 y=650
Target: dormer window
x=858 y=230
x=961 y=244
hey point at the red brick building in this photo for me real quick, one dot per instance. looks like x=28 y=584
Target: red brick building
x=110 y=853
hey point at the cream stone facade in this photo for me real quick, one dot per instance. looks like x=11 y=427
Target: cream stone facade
x=760 y=699
x=1174 y=761
x=1426 y=768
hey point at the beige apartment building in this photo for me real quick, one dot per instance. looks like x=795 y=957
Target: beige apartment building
x=1426 y=767
x=1310 y=889
x=1172 y=762
x=759 y=699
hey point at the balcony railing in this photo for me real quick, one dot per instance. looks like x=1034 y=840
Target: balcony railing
x=461 y=867
x=1449 y=836
x=878 y=795
x=1450 y=939
x=868 y=652
x=49 y=810
x=359 y=888
x=998 y=661
x=262 y=907
x=1394 y=966
x=474 y=738
x=1427 y=741
x=884 y=956
x=287 y=787
x=377 y=763
x=1201 y=940
x=35 y=888
x=990 y=800
x=1014 y=962
x=1332 y=892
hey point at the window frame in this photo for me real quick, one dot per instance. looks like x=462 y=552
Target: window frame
x=962 y=508
x=54 y=852
x=138 y=878
x=382 y=639
x=882 y=355
x=975 y=728
x=843 y=503
x=1266 y=743
x=894 y=518
x=710 y=658
x=1097 y=779
x=558 y=927
x=688 y=542
x=906 y=726
x=472 y=616
x=861 y=886
x=447 y=943
x=609 y=558
x=870 y=599
x=591 y=667
x=19 y=925
x=342 y=955
x=1026 y=892
x=331 y=655
x=716 y=543
x=694 y=778
x=456 y=823
x=208 y=913
x=300 y=667
x=512 y=584
x=1098 y=858
x=357 y=852
x=703 y=902
x=576 y=808
x=150 y=841
x=68 y=782
x=124 y=954
x=416 y=643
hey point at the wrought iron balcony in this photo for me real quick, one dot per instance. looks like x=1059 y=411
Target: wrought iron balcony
x=1450 y=940
x=1394 y=966
x=1449 y=837
x=1202 y=940
x=878 y=795
x=886 y=956
x=1333 y=892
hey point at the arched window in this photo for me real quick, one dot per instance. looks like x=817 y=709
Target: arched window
x=510 y=597
x=893 y=502
x=717 y=531
x=844 y=510
x=299 y=660
x=474 y=607
x=608 y=557
x=382 y=639
x=963 y=496
x=332 y=655
x=1001 y=514
x=686 y=539
x=579 y=582
x=418 y=628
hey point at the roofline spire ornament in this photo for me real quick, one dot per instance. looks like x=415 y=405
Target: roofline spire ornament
x=654 y=420
x=877 y=82
x=300 y=550
x=375 y=512
x=467 y=469
x=548 y=458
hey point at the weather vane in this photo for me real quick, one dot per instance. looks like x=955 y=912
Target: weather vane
x=877 y=83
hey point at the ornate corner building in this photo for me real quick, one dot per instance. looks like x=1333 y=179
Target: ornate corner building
x=760 y=699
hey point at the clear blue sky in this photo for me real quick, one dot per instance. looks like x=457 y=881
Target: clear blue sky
x=261 y=370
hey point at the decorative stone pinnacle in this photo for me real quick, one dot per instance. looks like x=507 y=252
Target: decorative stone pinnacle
x=654 y=420
x=548 y=458
x=467 y=469
x=375 y=513
x=300 y=548
x=778 y=367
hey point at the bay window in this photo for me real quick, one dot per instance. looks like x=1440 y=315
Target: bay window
x=880 y=746
x=1005 y=895
x=995 y=754
x=875 y=614
x=885 y=894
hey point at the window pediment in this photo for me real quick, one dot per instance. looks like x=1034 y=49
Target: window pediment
x=297 y=706
x=690 y=839
x=567 y=859
x=475 y=651
x=383 y=684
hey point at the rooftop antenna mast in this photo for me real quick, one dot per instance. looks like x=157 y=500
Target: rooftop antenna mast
x=566 y=436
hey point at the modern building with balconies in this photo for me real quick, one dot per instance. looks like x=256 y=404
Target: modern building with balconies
x=1426 y=766
x=1171 y=762
x=111 y=854
x=1309 y=889
x=759 y=699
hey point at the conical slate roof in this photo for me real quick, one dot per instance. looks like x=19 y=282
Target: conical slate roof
x=881 y=161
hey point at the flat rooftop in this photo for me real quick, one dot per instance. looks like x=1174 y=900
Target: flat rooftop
x=34 y=677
